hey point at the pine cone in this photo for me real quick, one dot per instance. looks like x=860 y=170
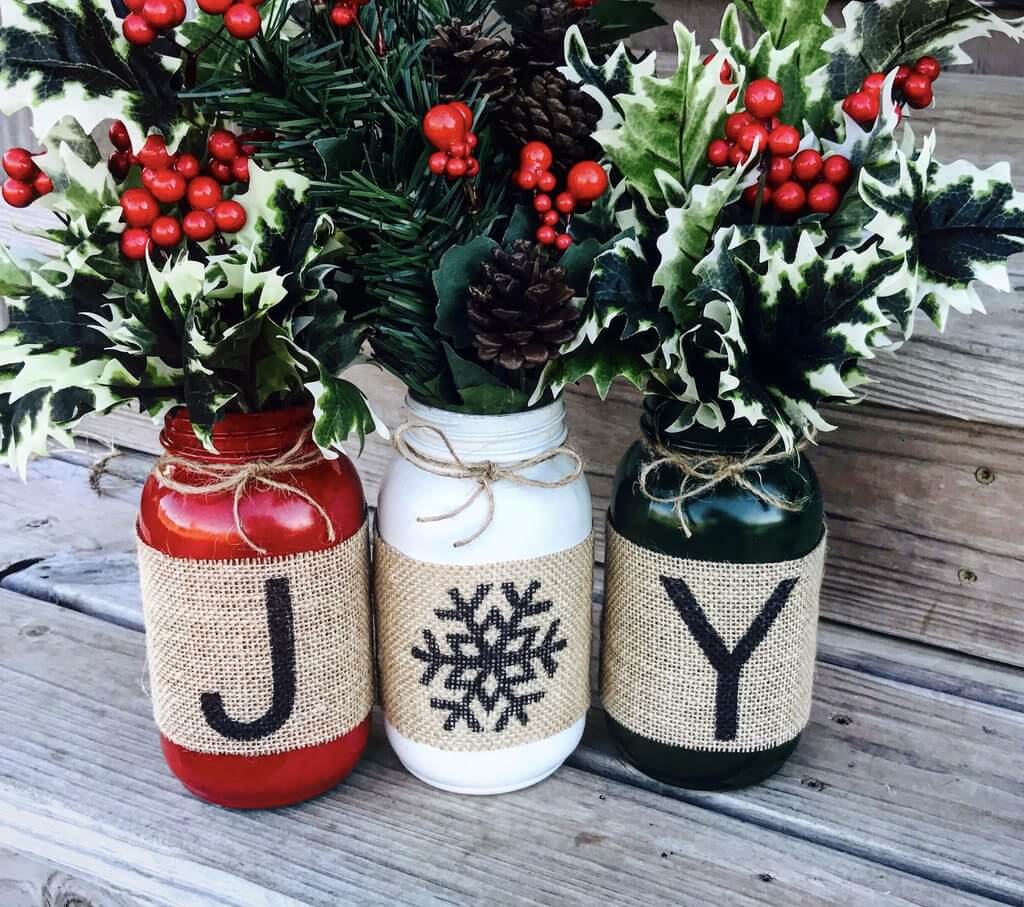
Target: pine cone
x=520 y=308
x=550 y=109
x=463 y=57
x=540 y=31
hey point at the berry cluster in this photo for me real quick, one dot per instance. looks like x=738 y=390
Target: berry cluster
x=345 y=12
x=448 y=128
x=147 y=18
x=585 y=183
x=25 y=182
x=792 y=180
x=241 y=18
x=912 y=86
x=177 y=180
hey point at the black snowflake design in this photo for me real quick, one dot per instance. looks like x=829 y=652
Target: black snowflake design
x=492 y=659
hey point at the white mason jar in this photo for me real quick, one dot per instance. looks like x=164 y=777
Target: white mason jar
x=526 y=522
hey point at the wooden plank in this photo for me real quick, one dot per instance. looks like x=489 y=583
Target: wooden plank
x=84 y=786
x=27 y=882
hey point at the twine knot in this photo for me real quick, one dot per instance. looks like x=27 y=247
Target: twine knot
x=237 y=477
x=702 y=473
x=485 y=473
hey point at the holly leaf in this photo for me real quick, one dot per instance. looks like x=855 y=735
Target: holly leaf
x=953 y=224
x=795 y=22
x=479 y=390
x=457 y=270
x=339 y=410
x=272 y=202
x=68 y=57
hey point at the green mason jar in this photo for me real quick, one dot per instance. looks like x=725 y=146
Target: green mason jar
x=728 y=525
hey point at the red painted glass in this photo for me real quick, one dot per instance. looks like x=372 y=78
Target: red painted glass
x=203 y=527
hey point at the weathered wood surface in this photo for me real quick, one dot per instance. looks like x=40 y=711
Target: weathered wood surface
x=28 y=882
x=84 y=786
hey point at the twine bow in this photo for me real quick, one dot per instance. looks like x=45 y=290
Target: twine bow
x=236 y=478
x=485 y=473
x=702 y=473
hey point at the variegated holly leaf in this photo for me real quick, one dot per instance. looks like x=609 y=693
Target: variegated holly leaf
x=799 y=22
x=954 y=225
x=879 y=36
x=780 y=329
x=68 y=57
x=668 y=122
x=340 y=409
x=605 y=81
x=272 y=205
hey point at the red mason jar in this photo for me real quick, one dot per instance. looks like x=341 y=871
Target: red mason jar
x=203 y=528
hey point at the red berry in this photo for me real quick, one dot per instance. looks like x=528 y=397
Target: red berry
x=789 y=198
x=928 y=67
x=862 y=106
x=823 y=198
x=18 y=163
x=137 y=30
x=546 y=235
x=17 y=194
x=735 y=122
x=458 y=149
x=203 y=192
x=550 y=218
x=153 y=153
x=873 y=83
x=221 y=172
x=563 y=241
x=547 y=182
x=229 y=217
x=750 y=196
x=836 y=170
x=465 y=110
x=718 y=153
x=42 y=184
x=901 y=75
x=138 y=207
x=472 y=166
x=456 y=168
x=784 y=140
x=751 y=135
x=222 y=145
x=187 y=165
x=565 y=203
x=586 y=181
x=542 y=203
x=134 y=6
x=198 y=225
x=918 y=90
x=242 y=22
x=159 y=13
x=536 y=154
x=780 y=170
x=737 y=156
x=180 y=12
x=119 y=164
x=526 y=179
x=725 y=73
x=343 y=15
x=443 y=125
x=148 y=173
x=472 y=140
x=166 y=231
x=807 y=165
x=167 y=186
x=436 y=162
x=134 y=243
x=215 y=7
x=118 y=135
x=763 y=98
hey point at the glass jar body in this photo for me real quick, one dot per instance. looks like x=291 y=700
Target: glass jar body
x=527 y=522
x=728 y=524
x=202 y=527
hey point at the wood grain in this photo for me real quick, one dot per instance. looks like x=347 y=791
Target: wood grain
x=106 y=800
x=28 y=882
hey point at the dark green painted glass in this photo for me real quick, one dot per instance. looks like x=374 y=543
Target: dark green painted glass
x=727 y=524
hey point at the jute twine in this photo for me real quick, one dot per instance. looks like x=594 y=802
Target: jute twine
x=702 y=473
x=235 y=478
x=657 y=677
x=486 y=656
x=211 y=631
x=484 y=473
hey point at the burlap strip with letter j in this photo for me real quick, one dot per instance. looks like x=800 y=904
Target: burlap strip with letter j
x=261 y=655
x=705 y=655
x=484 y=657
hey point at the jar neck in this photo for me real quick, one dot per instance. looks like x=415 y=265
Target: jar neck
x=239 y=436
x=736 y=438
x=500 y=439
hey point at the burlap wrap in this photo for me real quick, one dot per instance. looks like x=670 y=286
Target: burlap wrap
x=666 y=619
x=259 y=656
x=483 y=657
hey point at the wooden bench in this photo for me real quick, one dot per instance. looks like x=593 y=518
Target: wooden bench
x=907 y=786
